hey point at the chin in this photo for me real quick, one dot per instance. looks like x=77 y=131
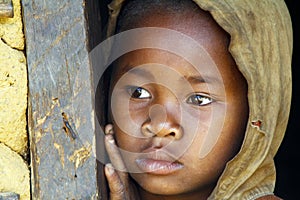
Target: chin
x=158 y=185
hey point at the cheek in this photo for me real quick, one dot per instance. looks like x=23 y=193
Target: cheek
x=128 y=142
x=205 y=127
x=233 y=131
x=237 y=113
x=196 y=121
x=128 y=116
x=196 y=124
x=236 y=122
x=139 y=112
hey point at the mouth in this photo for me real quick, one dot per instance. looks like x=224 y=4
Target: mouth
x=158 y=162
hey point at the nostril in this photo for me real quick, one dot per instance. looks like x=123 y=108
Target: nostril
x=162 y=129
x=177 y=133
x=173 y=134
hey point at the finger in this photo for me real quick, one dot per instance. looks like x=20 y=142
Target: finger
x=114 y=153
x=108 y=129
x=116 y=158
x=117 y=189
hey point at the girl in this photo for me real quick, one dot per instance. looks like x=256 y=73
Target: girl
x=201 y=113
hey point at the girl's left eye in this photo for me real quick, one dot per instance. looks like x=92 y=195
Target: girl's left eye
x=139 y=93
x=199 y=100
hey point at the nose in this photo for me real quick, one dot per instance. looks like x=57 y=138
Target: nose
x=162 y=123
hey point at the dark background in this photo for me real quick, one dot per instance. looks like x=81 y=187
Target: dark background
x=288 y=157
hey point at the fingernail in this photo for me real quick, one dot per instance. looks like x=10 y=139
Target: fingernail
x=110 y=139
x=109 y=129
x=110 y=168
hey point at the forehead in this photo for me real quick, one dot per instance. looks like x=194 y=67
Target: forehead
x=190 y=20
x=163 y=63
x=196 y=24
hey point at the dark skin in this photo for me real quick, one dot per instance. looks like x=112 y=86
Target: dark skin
x=166 y=110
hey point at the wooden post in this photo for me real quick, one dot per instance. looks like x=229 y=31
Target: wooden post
x=59 y=35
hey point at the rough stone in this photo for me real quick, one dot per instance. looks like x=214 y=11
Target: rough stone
x=13 y=98
x=14 y=173
x=11 y=29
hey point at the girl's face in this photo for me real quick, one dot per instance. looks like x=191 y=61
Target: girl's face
x=177 y=124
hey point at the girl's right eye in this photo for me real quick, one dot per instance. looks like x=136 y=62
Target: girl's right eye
x=139 y=93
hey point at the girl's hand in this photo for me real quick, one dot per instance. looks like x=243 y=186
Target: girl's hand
x=118 y=180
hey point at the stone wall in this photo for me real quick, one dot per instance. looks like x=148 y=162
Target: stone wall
x=14 y=170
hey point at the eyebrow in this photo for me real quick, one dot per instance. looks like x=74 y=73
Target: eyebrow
x=137 y=71
x=202 y=79
x=197 y=79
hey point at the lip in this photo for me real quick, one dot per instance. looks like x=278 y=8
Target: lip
x=158 y=162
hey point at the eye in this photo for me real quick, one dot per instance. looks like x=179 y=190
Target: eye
x=138 y=93
x=199 y=100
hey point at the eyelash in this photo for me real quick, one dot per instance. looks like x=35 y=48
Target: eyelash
x=194 y=99
x=201 y=100
x=143 y=93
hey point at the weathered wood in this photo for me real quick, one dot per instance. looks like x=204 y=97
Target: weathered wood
x=61 y=111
